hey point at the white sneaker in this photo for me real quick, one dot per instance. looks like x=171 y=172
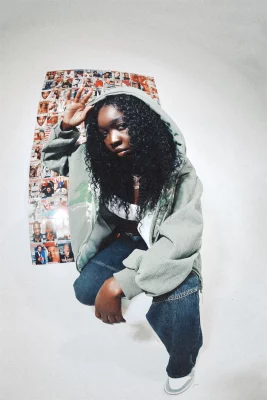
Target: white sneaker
x=179 y=385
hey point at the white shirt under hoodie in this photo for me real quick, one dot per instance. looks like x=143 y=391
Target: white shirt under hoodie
x=144 y=225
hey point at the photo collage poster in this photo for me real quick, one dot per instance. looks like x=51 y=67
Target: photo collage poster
x=50 y=239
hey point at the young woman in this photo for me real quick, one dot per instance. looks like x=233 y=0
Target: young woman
x=135 y=217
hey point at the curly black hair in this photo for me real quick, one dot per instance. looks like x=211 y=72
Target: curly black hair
x=155 y=155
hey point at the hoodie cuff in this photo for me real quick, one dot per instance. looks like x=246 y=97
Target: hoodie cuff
x=73 y=133
x=126 y=280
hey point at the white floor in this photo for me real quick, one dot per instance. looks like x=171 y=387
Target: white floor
x=55 y=348
x=210 y=68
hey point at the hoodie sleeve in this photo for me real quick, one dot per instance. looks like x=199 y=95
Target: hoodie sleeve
x=56 y=152
x=170 y=259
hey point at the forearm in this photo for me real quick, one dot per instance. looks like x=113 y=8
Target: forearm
x=56 y=152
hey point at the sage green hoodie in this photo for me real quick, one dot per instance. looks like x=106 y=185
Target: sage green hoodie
x=177 y=224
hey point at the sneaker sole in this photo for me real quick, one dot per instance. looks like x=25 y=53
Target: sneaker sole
x=171 y=391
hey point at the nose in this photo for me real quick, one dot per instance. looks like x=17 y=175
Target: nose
x=115 y=139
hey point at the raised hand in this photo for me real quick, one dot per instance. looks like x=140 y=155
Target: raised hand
x=76 y=109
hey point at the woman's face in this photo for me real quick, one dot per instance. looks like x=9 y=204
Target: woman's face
x=54 y=253
x=45 y=95
x=41 y=120
x=50 y=236
x=112 y=127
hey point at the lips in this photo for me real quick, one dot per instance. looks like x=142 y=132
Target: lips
x=123 y=152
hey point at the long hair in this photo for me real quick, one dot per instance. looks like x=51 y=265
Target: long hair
x=155 y=155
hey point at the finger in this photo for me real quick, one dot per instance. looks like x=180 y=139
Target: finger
x=78 y=95
x=84 y=113
x=85 y=99
x=112 y=319
x=87 y=96
x=68 y=95
x=105 y=319
x=97 y=314
x=119 y=318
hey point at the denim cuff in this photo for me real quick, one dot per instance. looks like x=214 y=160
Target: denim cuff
x=126 y=280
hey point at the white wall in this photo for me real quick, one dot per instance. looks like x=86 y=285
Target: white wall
x=208 y=62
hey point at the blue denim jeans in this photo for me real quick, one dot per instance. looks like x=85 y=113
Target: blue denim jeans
x=173 y=316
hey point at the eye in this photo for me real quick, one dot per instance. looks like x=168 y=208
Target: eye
x=122 y=127
x=104 y=133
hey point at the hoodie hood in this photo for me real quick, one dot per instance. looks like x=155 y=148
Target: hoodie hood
x=178 y=137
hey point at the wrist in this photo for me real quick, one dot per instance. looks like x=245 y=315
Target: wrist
x=115 y=287
x=66 y=127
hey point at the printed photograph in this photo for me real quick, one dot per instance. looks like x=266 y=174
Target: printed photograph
x=137 y=85
x=61 y=206
x=48 y=209
x=125 y=76
x=41 y=121
x=48 y=85
x=62 y=227
x=55 y=94
x=49 y=228
x=78 y=73
x=69 y=74
x=43 y=107
x=125 y=82
x=59 y=74
x=87 y=73
x=58 y=81
x=35 y=169
x=52 y=119
x=39 y=136
x=88 y=82
x=45 y=95
x=117 y=74
x=47 y=188
x=35 y=212
x=36 y=152
x=34 y=189
x=39 y=254
x=50 y=75
x=36 y=234
x=108 y=74
x=61 y=102
x=48 y=173
x=97 y=73
x=65 y=251
x=97 y=92
x=67 y=84
x=77 y=81
x=144 y=83
x=109 y=83
x=53 y=106
x=53 y=254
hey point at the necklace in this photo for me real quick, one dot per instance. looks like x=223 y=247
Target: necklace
x=136 y=179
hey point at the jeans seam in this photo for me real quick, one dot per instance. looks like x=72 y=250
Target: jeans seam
x=177 y=297
x=105 y=265
x=197 y=341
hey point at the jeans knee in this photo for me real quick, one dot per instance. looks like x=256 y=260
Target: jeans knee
x=83 y=294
